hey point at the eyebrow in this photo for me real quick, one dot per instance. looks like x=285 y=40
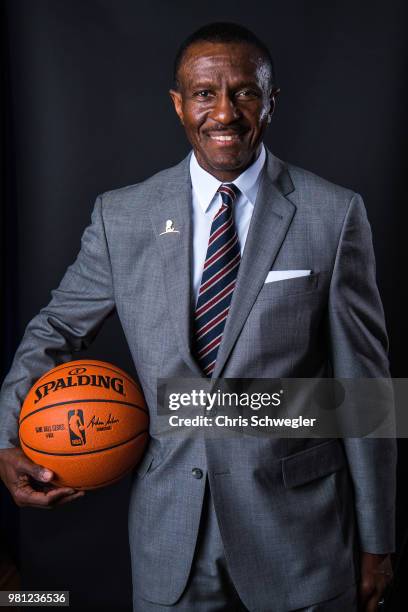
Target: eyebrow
x=202 y=84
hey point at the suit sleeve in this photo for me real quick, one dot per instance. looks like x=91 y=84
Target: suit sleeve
x=67 y=324
x=359 y=347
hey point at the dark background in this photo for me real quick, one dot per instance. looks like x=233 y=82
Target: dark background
x=86 y=109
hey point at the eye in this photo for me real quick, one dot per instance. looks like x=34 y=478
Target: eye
x=203 y=93
x=247 y=93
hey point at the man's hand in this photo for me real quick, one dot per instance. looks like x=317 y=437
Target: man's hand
x=22 y=477
x=376 y=574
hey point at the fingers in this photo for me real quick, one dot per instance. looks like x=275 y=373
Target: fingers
x=30 y=484
x=372 y=603
x=370 y=595
x=70 y=498
x=14 y=463
x=366 y=592
x=26 y=496
x=376 y=574
x=25 y=466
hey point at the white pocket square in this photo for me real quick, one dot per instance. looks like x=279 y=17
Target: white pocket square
x=277 y=275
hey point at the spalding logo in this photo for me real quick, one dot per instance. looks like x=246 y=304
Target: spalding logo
x=80 y=380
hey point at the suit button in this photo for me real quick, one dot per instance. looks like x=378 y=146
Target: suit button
x=197 y=473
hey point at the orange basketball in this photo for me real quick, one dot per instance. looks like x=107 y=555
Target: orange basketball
x=86 y=421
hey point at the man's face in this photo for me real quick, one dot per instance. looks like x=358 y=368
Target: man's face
x=225 y=103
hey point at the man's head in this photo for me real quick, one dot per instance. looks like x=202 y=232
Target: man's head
x=224 y=94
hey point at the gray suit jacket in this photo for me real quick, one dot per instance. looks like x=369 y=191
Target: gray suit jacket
x=292 y=512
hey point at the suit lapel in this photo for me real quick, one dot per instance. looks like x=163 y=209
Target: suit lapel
x=271 y=218
x=173 y=202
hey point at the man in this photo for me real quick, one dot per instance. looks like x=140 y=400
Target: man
x=256 y=523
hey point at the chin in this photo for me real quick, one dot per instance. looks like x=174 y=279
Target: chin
x=228 y=161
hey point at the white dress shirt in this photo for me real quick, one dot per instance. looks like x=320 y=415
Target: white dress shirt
x=206 y=202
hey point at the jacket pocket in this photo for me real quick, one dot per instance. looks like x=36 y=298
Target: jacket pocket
x=290 y=286
x=312 y=463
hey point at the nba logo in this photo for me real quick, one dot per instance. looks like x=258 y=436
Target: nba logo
x=76 y=427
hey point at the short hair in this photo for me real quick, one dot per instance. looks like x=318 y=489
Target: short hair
x=223 y=32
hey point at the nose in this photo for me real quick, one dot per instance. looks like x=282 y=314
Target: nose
x=224 y=111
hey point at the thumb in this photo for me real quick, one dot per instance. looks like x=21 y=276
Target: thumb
x=38 y=472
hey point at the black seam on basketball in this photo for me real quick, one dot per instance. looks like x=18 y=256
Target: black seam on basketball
x=84 y=363
x=84 y=401
x=99 y=450
x=106 y=483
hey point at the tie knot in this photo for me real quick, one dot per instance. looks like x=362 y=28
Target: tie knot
x=228 y=192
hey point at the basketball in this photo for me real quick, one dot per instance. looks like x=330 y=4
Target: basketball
x=87 y=421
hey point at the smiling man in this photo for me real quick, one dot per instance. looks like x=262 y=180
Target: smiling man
x=231 y=264
x=224 y=97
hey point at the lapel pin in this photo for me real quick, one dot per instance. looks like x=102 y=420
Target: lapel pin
x=170 y=229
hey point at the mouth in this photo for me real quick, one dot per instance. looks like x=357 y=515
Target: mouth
x=225 y=139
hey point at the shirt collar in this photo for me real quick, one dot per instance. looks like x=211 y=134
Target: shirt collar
x=205 y=185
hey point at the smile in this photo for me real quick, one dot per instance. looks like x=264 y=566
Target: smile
x=225 y=138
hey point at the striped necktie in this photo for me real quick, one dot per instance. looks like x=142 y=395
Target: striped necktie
x=217 y=282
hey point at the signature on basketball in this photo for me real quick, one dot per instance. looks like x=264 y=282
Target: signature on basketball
x=97 y=422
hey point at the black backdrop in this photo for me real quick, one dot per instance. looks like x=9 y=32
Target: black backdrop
x=86 y=109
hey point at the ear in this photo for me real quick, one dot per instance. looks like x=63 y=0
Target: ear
x=272 y=101
x=177 y=98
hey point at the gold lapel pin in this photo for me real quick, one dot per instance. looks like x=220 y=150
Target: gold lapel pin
x=169 y=229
